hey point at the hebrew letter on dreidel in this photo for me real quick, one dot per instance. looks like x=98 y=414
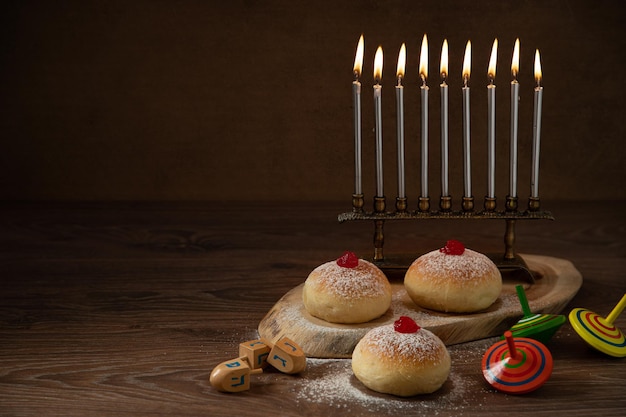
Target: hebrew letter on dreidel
x=232 y=375
x=237 y=382
x=256 y=352
x=287 y=357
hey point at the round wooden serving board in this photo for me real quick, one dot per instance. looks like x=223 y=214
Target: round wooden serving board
x=557 y=284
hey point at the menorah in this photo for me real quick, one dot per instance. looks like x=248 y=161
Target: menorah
x=511 y=213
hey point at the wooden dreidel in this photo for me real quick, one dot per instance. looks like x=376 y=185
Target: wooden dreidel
x=599 y=332
x=287 y=357
x=232 y=375
x=535 y=326
x=256 y=352
x=517 y=365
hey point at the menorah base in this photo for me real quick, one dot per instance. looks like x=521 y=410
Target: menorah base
x=508 y=261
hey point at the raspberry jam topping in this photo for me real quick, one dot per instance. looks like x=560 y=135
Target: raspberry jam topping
x=405 y=324
x=453 y=247
x=348 y=260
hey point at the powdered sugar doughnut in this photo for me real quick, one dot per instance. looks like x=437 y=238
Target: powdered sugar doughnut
x=453 y=280
x=402 y=364
x=349 y=290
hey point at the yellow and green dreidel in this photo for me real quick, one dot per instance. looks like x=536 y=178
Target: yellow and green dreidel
x=600 y=332
x=535 y=326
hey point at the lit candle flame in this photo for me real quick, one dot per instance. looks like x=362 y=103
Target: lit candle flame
x=491 y=72
x=358 y=59
x=424 y=60
x=537 y=68
x=467 y=62
x=515 y=60
x=444 y=60
x=378 y=64
x=401 y=62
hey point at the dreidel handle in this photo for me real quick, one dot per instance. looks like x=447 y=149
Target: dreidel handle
x=617 y=310
x=521 y=295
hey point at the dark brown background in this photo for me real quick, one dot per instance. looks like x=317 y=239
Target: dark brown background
x=243 y=100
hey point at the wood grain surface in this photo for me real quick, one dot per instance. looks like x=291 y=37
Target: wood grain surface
x=123 y=309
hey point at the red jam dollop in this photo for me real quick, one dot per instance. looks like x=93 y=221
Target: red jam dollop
x=348 y=260
x=405 y=324
x=453 y=247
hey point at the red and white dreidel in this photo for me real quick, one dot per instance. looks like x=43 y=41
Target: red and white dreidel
x=600 y=332
x=517 y=365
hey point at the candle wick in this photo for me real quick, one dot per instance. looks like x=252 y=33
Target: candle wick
x=465 y=81
x=399 y=80
x=444 y=77
x=356 y=75
x=423 y=79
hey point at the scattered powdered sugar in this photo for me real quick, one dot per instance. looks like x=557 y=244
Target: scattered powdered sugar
x=338 y=387
x=364 y=280
x=331 y=382
x=466 y=267
x=418 y=347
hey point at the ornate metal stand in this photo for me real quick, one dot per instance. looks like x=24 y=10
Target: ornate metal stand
x=506 y=261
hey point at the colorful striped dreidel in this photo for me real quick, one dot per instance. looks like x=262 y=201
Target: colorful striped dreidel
x=517 y=365
x=600 y=332
x=535 y=326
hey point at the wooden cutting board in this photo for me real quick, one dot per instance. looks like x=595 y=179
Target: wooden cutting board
x=558 y=283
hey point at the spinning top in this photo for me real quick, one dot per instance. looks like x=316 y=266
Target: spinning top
x=517 y=365
x=600 y=333
x=287 y=356
x=536 y=326
x=256 y=352
x=232 y=375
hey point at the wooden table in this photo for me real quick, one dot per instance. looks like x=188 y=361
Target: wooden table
x=124 y=309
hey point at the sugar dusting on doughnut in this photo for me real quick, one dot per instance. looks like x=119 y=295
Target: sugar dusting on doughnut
x=401 y=359
x=363 y=280
x=453 y=279
x=419 y=347
x=348 y=290
x=466 y=267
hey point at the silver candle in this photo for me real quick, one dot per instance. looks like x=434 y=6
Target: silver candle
x=424 y=102
x=444 y=119
x=491 y=120
x=356 y=99
x=467 y=166
x=400 y=120
x=538 y=98
x=378 y=126
x=514 y=121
